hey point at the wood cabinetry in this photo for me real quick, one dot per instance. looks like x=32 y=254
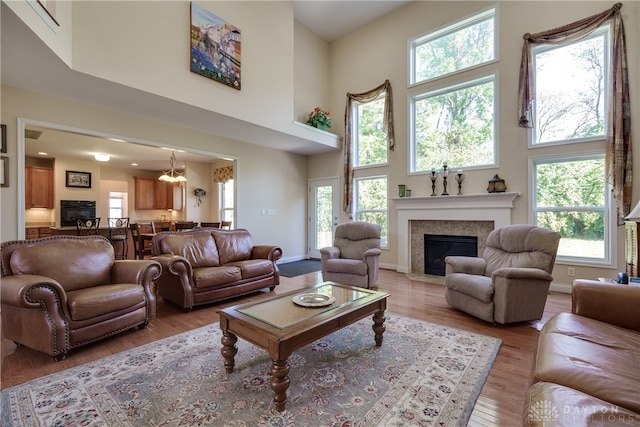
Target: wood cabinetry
x=38 y=187
x=37 y=232
x=154 y=194
x=631 y=247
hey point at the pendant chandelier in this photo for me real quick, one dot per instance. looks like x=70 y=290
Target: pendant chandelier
x=172 y=175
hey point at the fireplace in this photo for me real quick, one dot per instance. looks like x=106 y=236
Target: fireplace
x=468 y=215
x=438 y=246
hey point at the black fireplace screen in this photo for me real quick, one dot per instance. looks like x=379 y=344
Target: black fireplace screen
x=437 y=247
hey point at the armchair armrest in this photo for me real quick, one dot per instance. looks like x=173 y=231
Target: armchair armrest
x=373 y=252
x=272 y=253
x=610 y=303
x=45 y=296
x=464 y=264
x=330 y=252
x=141 y=272
x=17 y=290
x=523 y=273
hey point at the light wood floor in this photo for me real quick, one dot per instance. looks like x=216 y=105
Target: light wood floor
x=500 y=402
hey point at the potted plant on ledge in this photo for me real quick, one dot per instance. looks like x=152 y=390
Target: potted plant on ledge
x=319 y=119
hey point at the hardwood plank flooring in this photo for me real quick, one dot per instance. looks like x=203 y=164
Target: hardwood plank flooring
x=499 y=404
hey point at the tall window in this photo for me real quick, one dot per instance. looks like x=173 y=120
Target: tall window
x=454 y=123
x=571 y=89
x=570 y=199
x=571 y=92
x=116 y=204
x=226 y=201
x=370 y=140
x=371 y=203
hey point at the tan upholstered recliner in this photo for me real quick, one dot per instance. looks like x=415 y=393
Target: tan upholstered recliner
x=510 y=282
x=354 y=257
x=62 y=292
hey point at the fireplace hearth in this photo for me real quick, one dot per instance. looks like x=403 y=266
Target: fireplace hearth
x=437 y=247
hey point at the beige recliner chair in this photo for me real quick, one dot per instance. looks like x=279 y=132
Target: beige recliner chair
x=354 y=257
x=511 y=280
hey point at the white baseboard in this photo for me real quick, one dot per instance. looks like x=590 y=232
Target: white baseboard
x=560 y=287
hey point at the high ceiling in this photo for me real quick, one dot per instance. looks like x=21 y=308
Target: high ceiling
x=23 y=55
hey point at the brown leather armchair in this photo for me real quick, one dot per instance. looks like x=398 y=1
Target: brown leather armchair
x=509 y=283
x=62 y=292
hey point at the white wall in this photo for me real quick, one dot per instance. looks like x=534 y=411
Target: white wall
x=266 y=178
x=146 y=45
x=378 y=51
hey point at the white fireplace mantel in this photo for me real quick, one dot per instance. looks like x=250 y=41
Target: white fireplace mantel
x=494 y=207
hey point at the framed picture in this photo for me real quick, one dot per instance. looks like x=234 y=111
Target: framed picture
x=4 y=171
x=3 y=128
x=78 y=179
x=215 y=47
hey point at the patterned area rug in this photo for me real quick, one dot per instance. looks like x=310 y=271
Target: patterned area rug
x=424 y=374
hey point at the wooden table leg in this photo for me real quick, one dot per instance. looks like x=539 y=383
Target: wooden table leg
x=280 y=383
x=229 y=350
x=378 y=326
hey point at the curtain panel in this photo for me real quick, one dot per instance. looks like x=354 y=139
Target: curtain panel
x=223 y=174
x=618 y=160
x=387 y=128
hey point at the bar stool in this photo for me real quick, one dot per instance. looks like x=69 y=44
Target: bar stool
x=87 y=226
x=119 y=232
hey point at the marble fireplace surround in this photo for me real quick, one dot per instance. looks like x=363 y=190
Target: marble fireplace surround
x=468 y=214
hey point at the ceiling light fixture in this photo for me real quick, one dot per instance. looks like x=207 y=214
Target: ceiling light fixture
x=172 y=175
x=102 y=157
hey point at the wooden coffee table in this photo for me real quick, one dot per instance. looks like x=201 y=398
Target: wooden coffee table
x=281 y=326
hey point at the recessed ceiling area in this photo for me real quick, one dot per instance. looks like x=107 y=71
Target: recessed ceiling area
x=63 y=144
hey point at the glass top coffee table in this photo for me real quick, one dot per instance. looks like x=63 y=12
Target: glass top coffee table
x=287 y=322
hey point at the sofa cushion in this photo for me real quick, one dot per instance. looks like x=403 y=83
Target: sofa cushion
x=92 y=302
x=86 y=262
x=478 y=287
x=349 y=266
x=590 y=356
x=233 y=245
x=253 y=267
x=208 y=277
x=199 y=249
x=550 y=404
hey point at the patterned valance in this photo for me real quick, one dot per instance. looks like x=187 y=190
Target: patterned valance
x=223 y=174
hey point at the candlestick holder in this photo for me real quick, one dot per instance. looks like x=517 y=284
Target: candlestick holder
x=459 y=178
x=445 y=174
x=434 y=177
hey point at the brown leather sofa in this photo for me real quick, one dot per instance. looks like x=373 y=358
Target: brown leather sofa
x=207 y=265
x=62 y=292
x=586 y=370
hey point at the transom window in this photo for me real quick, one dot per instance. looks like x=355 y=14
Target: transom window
x=571 y=89
x=463 y=45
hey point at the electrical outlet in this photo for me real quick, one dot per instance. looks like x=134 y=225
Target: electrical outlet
x=571 y=271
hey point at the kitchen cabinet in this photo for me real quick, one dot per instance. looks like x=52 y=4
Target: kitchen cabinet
x=145 y=192
x=37 y=232
x=154 y=194
x=38 y=187
x=164 y=195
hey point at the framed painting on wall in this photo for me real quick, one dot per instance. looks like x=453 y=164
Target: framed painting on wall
x=78 y=179
x=215 y=47
x=4 y=171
